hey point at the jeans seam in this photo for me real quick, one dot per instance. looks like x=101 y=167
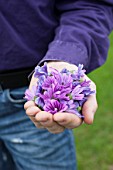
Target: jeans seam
x=14 y=100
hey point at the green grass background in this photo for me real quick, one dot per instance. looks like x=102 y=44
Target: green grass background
x=94 y=143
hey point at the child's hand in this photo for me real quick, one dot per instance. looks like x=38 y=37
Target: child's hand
x=58 y=122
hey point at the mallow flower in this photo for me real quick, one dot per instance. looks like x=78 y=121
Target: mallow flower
x=54 y=106
x=30 y=94
x=64 y=91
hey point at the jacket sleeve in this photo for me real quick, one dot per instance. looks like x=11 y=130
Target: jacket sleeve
x=82 y=33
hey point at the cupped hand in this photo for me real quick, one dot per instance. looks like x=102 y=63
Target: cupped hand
x=42 y=119
x=89 y=108
x=53 y=123
x=58 y=122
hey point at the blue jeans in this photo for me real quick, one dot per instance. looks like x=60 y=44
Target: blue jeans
x=25 y=147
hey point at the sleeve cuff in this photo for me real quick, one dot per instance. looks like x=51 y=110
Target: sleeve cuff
x=72 y=53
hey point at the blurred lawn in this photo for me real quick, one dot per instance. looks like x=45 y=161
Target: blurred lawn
x=94 y=143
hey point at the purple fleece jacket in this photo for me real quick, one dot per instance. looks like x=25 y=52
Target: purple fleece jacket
x=75 y=31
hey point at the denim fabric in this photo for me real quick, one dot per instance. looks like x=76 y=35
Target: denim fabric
x=26 y=147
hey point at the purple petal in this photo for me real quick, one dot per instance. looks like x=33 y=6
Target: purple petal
x=30 y=94
x=54 y=106
x=39 y=102
x=41 y=71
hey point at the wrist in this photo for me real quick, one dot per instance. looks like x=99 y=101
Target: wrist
x=59 y=65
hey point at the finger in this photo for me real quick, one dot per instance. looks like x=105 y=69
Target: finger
x=55 y=128
x=32 y=111
x=38 y=125
x=46 y=119
x=89 y=109
x=68 y=120
x=28 y=104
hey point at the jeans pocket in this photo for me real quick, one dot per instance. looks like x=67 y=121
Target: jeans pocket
x=16 y=96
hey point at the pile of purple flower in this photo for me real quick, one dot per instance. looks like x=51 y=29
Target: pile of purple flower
x=64 y=91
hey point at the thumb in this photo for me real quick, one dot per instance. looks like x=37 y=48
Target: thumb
x=89 y=109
